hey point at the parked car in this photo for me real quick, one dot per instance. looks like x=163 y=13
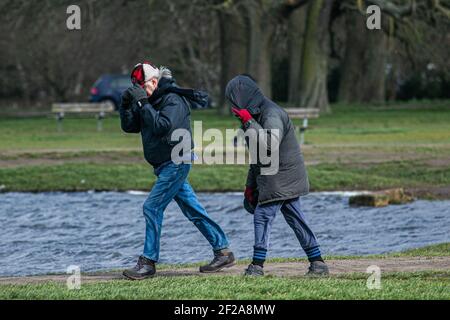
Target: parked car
x=109 y=87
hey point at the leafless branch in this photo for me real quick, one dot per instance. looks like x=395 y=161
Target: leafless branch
x=394 y=10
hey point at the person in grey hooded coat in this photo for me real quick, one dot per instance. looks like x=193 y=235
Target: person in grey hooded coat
x=268 y=191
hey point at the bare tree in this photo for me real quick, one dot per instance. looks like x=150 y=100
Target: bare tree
x=314 y=66
x=364 y=67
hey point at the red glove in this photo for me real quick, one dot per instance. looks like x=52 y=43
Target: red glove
x=243 y=114
x=249 y=194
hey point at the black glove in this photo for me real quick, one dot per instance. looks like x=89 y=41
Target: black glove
x=138 y=95
x=126 y=100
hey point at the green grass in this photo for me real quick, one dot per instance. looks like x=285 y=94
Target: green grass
x=417 y=285
x=398 y=285
x=357 y=147
x=139 y=176
x=393 y=125
x=436 y=250
x=406 y=174
x=78 y=177
x=425 y=123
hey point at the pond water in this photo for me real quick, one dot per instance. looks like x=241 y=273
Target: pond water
x=47 y=232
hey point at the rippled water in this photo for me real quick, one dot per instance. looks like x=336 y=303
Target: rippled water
x=46 y=232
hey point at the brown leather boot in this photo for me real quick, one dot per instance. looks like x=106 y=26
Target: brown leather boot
x=145 y=268
x=222 y=259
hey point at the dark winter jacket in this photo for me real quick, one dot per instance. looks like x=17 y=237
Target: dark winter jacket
x=291 y=180
x=156 y=122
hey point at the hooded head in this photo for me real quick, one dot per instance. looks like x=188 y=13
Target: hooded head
x=243 y=93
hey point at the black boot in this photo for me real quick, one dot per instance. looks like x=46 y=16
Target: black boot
x=318 y=268
x=254 y=270
x=145 y=268
x=222 y=259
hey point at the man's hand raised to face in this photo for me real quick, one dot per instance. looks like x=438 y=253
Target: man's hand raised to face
x=138 y=95
x=126 y=100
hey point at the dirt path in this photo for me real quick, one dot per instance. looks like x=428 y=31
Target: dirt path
x=361 y=155
x=288 y=269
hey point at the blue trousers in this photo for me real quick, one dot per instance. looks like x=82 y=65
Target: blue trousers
x=172 y=184
x=263 y=220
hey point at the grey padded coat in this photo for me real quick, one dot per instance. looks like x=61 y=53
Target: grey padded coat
x=291 y=179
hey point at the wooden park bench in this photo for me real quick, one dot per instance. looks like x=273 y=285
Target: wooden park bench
x=99 y=109
x=305 y=114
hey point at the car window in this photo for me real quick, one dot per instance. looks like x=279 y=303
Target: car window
x=97 y=83
x=123 y=82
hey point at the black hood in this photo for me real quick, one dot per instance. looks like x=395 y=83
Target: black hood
x=244 y=93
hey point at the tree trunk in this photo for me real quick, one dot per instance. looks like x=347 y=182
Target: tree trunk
x=233 y=47
x=259 y=56
x=313 y=76
x=363 y=68
x=296 y=33
x=25 y=87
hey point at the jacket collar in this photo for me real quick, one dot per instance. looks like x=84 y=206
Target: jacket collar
x=163 y=87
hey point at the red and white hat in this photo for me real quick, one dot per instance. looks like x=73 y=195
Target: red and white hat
x=143 y=72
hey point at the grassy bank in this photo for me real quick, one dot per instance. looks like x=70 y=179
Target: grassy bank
x=419 y=285
x=396 y=285
x=94 y=176
x=354 y=147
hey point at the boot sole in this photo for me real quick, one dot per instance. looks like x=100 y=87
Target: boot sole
x=219 y=269
x=137 y=278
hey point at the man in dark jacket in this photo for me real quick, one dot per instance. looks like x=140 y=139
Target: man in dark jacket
x=151 y=107
x=278 y=190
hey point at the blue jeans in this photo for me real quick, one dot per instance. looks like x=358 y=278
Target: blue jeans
x=265 y=214
x=172 y=184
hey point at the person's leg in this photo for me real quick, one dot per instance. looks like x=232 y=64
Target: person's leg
x=193 y=210
x=297 y=221
x=263 y=219
x=170 y=178
x=190 y=206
